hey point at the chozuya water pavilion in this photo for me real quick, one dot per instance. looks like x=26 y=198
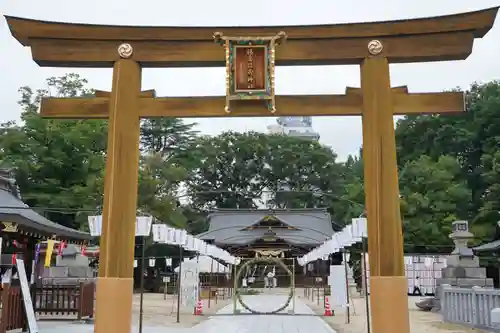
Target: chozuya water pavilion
x=372 y=46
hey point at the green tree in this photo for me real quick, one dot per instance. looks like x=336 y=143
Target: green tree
x=246 y=170
x=170 y=137
x=165 y=163
x=158 y=184
x=58 y=163
x=351 y=202
x=230 y=169
x=432 y=197
x=473 y=139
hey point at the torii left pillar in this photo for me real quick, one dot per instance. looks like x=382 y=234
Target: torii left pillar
x=115 y=281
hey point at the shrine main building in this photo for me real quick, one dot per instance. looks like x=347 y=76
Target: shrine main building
x=284 y=232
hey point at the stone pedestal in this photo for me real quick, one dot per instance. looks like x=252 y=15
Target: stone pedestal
x=462 y=266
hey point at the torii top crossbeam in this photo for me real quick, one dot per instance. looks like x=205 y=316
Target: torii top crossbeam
x=415 y=40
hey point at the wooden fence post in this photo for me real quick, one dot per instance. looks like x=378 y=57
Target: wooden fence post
x=5 y=308
x=81 y=301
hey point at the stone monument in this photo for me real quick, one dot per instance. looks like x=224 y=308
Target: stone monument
x=462 y=267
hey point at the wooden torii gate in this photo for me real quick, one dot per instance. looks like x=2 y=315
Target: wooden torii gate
x=371 y=45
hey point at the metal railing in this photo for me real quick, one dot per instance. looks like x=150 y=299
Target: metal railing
x=470 y=306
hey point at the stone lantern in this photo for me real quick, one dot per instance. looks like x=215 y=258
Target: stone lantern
x=462 y=267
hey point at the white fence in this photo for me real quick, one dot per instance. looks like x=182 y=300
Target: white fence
x=471 y=307
x=426 y=267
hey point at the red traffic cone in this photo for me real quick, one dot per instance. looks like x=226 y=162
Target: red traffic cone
x=199 y=308
x=328 y=309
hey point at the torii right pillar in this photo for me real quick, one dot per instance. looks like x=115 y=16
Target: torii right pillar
x=388 y=284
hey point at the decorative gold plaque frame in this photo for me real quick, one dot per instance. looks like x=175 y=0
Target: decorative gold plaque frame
x=231 y=44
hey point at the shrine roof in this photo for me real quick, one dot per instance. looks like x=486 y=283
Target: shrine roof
x=488 y=247
x=310 y=226
x=14 y=210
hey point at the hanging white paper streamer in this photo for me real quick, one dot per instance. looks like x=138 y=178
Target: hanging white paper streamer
x=152 y=262
x=95 y=225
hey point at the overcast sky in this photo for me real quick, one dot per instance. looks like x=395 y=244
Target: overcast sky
x=341 y=133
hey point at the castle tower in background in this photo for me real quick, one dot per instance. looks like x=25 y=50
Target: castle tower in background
x=295 y=126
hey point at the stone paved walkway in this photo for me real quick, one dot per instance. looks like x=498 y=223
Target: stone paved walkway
x=224 y=322
x=301 y=323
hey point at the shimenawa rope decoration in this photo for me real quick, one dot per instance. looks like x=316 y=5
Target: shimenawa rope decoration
x=278 y=262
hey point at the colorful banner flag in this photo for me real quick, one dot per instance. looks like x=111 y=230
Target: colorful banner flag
x=62 y=245
x=37 y=252
x=48 y=253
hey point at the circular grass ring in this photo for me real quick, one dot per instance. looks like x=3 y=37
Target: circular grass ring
x=276 y=261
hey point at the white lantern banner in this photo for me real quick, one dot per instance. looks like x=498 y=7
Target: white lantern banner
x=168 y=262
x=176 y=236
x=348 y=240
x=189 y=243
x=192 y=244
x=143 y=225
x=183 y=237
x=355 y=238
x=351 y=234
x=332 y=246
x=152 y=262
x=164 y=234
x=157 y=233
x=135 y=263
x=95 y=225
x=360 y=226
x=211 y=250
x=198 y=245
x=170 y=236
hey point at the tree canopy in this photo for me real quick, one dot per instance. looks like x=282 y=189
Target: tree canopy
x=247 y=170
x=449 y=168
x=59 y=164
x=472 y=139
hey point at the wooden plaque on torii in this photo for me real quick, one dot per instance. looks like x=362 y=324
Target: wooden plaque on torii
x=371 y=45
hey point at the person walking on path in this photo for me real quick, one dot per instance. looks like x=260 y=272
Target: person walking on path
x=416 y=287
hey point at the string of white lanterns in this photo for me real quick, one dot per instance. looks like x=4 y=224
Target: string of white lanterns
x=166 y=235
x=351 y=234
x=142 y=225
